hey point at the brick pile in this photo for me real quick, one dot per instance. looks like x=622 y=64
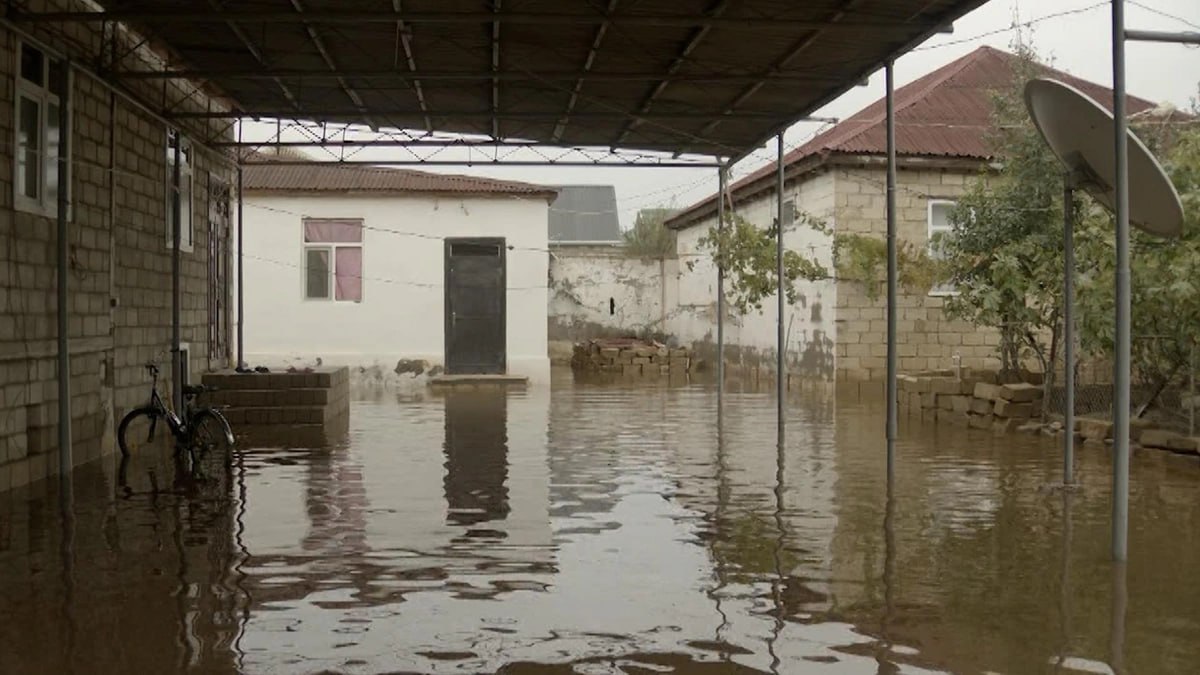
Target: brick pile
x=973 y=400
x=630 y=357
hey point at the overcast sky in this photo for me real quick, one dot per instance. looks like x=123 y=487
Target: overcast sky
x=1077 y=41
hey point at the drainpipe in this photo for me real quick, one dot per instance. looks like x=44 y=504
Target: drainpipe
x=65 y=460
x=176 y=229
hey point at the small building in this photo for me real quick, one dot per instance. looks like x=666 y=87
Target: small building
x=395 y=272
x=835 y=331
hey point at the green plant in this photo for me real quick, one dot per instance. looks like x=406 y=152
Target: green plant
x=649 y=237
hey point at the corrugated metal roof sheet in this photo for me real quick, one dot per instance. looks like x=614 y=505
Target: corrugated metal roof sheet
x=689 y=76
x=585 y=213
x=346 y=178
x=946 y=113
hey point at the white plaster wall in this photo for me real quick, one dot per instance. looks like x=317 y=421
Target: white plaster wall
x=811 y=327
x=401 y=315
x=583 y=281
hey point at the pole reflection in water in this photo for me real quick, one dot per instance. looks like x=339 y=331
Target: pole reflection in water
x=1119 y=602
x=1064 y=598
x=886 y=665
x=476 y=449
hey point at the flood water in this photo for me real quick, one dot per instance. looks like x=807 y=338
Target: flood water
x=608 y=529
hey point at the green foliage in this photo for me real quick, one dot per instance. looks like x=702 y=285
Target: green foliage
x=1005 y=255
x=1163 y=277
x=649 y=237
x=747 y=253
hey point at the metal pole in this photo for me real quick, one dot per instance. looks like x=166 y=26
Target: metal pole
x=1069 y=331
x=65 y=460
x=241 y=277
x=780 y=339
x=1192 y=389
x=892 y=273
x=722 y=179
x=1120 y=505
x=176 y=230
x=1188 y=37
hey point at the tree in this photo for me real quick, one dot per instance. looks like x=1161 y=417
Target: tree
x=1004 y=255
x=649 y=236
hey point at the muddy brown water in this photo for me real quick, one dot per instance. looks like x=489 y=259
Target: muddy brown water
x=607 y=529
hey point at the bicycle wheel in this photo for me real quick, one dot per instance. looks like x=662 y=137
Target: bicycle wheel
x=210 y=442
x=141 y=430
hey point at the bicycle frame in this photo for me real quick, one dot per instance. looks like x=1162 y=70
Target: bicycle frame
x=174 y=421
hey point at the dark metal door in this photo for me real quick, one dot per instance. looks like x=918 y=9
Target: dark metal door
x=475 y=307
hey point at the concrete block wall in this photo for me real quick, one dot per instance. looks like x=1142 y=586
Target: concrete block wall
x=119 y=300
x=927 y=338
x=602 y=291
x=751 y=338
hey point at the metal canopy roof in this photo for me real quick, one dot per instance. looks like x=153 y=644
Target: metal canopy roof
x=716 y=78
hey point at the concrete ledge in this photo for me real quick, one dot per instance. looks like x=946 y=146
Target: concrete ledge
x=449 y=381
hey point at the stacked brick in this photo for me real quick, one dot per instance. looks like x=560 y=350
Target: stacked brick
x=974 y=401
x=630 y=357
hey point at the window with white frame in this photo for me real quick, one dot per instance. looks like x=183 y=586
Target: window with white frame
x=186 y=227
x=940 y=227
x=333 y=259
x=40 y=81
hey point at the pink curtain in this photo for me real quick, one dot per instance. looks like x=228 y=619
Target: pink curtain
x=348 y=273
x=332 y=231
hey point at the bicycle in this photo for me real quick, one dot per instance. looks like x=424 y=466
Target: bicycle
x=201 y=431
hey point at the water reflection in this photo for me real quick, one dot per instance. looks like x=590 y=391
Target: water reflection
x=476 y=457
x=606 y=528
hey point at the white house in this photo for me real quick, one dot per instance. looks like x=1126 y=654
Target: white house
x=395 y=271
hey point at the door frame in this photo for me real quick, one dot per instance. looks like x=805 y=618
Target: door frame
x=448 y=246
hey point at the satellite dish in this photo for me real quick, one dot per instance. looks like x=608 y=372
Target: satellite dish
x=1080 y=131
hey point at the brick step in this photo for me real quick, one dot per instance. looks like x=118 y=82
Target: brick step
x=250 y=398
x=323 y=379
x=264 y=415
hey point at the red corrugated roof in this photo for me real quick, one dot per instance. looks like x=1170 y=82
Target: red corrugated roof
x=946 y=113
x=334 y=177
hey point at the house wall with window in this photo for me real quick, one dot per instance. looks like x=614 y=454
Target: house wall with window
x=359 y=279
x=119 y=260
x=926 y=337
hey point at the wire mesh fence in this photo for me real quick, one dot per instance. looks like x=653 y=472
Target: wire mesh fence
x=1163 y=392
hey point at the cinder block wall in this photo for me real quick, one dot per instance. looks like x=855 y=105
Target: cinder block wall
x=119 y=284
x=927 y=338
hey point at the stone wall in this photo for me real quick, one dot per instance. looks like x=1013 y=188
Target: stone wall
x=602 y=291
x=119 y=299
x=927 y=338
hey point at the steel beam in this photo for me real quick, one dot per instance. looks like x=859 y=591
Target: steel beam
x=722 y=185
x=1068 y=331
x=607 y=163
x=780 y=297
x=432 y=144
x=348 y=16
x=392 y=74
x=241 y=274
x=586 y=72
x=698 y=35
x=551 y=115
x=1187 y=38
x=62 y=249
x=176 y=290
x=1121 y=361
x=404 y=38
x=893 y=309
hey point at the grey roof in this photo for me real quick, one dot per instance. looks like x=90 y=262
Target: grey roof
x=585 y=213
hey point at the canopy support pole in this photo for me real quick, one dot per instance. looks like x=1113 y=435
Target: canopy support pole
x=780 y=297
x=176 y=291
x=241 y=275
x=62 y=250
x=1069 y=331
x=1120 y=505
x=722 y=180
x=892 y=273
